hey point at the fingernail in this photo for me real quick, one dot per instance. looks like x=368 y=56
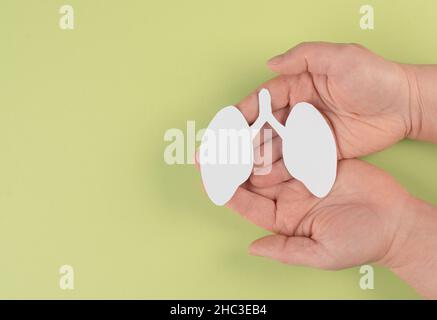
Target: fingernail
x=275 y=60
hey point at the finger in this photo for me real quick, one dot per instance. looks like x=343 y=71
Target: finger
x=276 y=175
x=254 y=207
x=313 y=57
x=282 y=114
x=196 y=159
x=269 y=152
x=270 y=192
x=279 y=92
x=291 y=250
x=264 y=135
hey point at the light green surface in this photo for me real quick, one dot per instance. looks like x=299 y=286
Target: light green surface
x=82 y=118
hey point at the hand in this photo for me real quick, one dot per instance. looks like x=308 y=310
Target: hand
x=357 y=223
x=365 y=98
x=366 y=218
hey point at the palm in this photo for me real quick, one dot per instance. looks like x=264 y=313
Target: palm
x=348 y=227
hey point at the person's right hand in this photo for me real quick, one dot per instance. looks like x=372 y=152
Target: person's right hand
x=365 y=98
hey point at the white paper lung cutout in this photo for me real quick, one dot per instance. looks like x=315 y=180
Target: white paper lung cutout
x=226 y=151
x=308 y=149
x=221 y=180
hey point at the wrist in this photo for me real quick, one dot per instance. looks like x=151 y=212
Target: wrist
x=414 y=116
x=422 y=101
x=413 y=253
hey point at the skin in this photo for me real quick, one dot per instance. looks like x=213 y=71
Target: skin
x=370 y=104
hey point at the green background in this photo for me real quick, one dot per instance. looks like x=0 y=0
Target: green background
x=82 y=119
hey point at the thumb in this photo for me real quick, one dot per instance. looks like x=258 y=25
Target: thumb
x=313 y=57
x=292 y=250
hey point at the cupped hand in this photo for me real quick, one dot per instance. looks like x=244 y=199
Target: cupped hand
x=365 y=98
x=356 y=223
